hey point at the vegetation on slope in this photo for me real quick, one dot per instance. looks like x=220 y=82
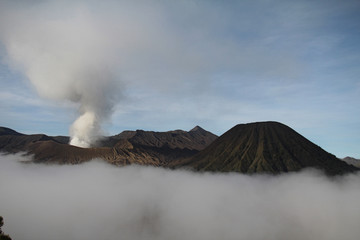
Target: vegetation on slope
x=3 y=236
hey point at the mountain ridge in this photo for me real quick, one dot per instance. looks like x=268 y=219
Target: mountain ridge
x=260 y=147
x=128 y=147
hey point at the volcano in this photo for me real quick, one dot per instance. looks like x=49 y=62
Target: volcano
x=265 y=147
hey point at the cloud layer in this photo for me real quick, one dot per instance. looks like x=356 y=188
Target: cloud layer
x=100 y=201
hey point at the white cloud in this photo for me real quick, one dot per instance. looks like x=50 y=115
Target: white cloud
x=99 y=201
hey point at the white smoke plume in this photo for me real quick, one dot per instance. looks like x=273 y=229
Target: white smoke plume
x=99 y=201
x=67 y=54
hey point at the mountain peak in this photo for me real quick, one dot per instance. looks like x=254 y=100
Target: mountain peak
x=197 y=128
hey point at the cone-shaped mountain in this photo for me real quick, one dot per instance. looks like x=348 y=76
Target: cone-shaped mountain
x=265 y=147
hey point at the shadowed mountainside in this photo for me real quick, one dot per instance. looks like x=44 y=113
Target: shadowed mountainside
x=128 y=147
x=264 y=147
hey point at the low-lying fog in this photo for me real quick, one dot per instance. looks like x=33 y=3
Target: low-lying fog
x=99 y=201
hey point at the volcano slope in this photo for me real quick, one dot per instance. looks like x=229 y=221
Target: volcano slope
x=265 y=147
x=129 y=147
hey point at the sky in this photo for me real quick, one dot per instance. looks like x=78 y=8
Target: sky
x=165 y=65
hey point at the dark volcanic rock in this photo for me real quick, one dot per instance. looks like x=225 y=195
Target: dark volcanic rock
x=264 y=147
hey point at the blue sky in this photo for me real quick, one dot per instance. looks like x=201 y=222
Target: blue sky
x=174 y=65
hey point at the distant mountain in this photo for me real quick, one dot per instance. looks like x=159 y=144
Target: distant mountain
x=8 y=131
x=352 y=161
x=128 y=147
x=196 y=139
x=264 y=147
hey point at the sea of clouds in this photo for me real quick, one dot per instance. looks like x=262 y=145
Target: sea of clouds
x=96 y=201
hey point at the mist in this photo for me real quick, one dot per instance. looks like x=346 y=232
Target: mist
x=96 y=200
